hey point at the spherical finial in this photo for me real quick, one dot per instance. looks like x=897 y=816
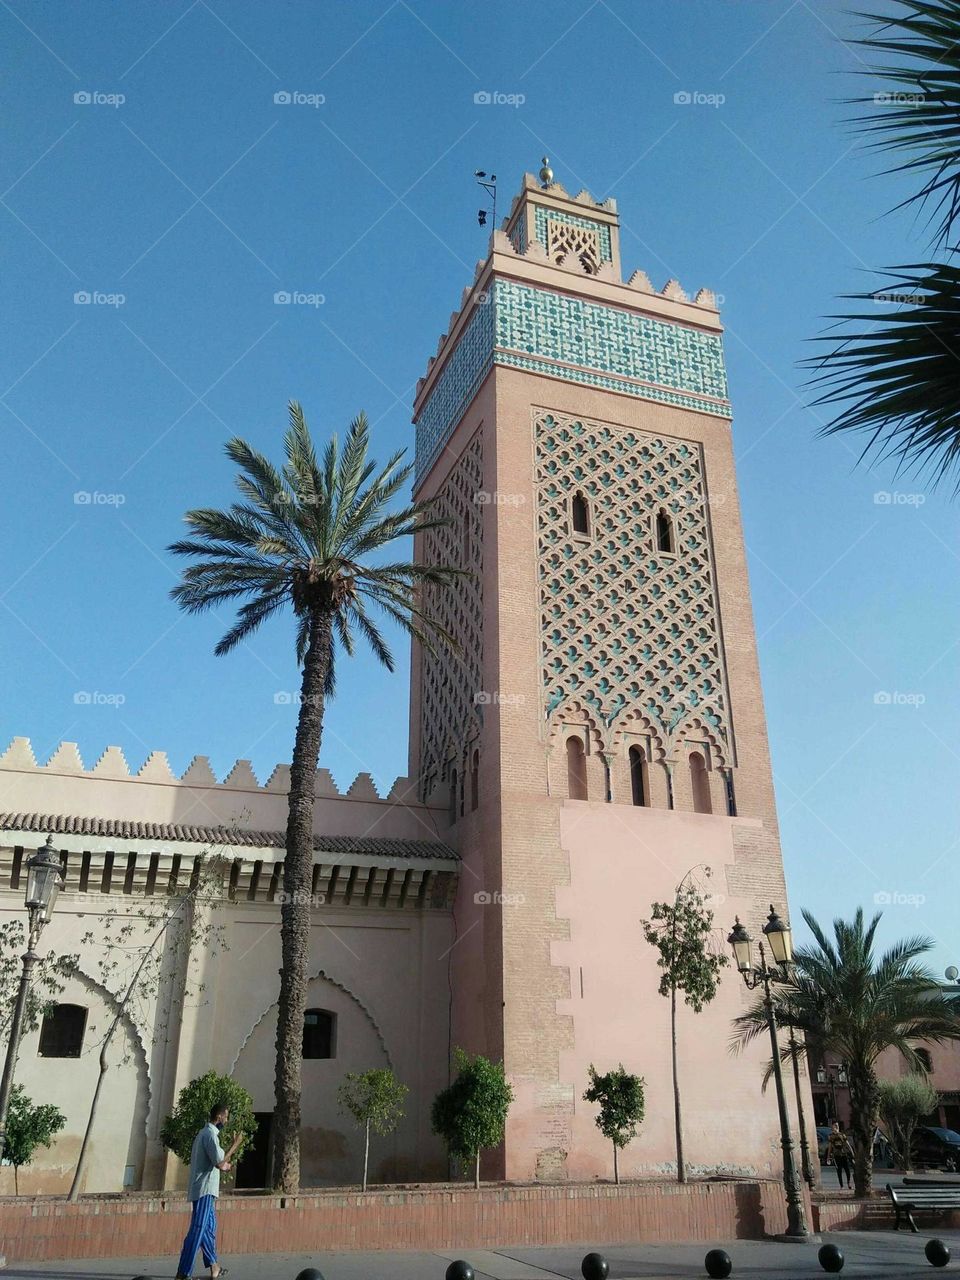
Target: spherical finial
x=546 y=173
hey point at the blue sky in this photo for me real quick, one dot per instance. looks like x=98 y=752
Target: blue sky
x=197 y=197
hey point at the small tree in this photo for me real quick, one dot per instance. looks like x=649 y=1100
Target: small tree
x=621 y=1100
x=903 y=1104
x=680 y=931
x=375 y=1100
x=192 y=1112
x=471 y=1113
x=28 y=1127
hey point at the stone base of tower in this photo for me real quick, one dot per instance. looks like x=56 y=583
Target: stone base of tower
x=580 y=987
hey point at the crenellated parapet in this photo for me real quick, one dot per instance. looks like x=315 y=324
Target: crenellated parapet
x=19 y=757
x=154 y=793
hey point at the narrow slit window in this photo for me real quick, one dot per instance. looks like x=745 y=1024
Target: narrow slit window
x=576 y=770
x=475 y=780
x=665 y=532
x=700 y=782
x=580 y=513
x=638 y=777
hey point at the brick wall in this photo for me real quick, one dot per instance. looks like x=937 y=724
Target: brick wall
x=43 y=1230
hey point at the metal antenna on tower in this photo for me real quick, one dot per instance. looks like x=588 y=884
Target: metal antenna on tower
x=489 y=184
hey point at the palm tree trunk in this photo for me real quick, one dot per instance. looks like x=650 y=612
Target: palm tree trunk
x=295 y=909
x=677 y=1119
x=616 y=1165
x=366 y=1152
x=864 y=1107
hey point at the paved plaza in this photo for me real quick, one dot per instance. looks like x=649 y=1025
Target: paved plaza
x=867 y=1254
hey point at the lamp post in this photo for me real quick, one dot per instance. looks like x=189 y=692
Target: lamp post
x=805 y=1162
x=43 y=885
x=780 y=942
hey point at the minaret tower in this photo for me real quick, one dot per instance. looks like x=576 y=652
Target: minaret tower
x=601 y=730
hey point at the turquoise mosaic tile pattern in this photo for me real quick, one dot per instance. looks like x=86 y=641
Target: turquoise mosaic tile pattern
x=518 y=236
x=524 y=327
x=555 y=326
x=456 y=386
x=571 y=220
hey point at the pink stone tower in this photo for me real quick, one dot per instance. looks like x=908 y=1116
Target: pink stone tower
x=601 y=730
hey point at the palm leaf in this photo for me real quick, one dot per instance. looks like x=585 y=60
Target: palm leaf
x=894 y=376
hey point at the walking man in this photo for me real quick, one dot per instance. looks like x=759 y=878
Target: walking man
x=207 y=1161
x=840 y=1151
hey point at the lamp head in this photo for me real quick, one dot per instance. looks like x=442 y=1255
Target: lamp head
x=43 y=881
x=742 y=945
x=778 y=934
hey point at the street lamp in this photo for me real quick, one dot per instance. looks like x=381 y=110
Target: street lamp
x=825 y=1076
x=44 y=879
x=780 y=942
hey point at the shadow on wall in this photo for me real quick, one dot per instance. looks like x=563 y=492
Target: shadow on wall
x=750 y=1223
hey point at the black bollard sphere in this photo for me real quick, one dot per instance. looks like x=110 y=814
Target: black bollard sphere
x=937 y=1253
x=594 y=1267
x=459 y=1270
x=717 y=1264
x=830 y=1257
x=310 y=1273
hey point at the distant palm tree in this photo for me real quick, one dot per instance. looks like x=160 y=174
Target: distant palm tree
x=893 y=374
x=302 y=537
x=848 y=1002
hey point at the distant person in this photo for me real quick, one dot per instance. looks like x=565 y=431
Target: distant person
x=840 y=1152
x=207 y=1161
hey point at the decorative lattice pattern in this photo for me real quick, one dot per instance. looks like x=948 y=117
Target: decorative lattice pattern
x=624 y=626
x=589 y=343
x=456 y=386
x=565 y=242
x=450 y=711
x=543 y=217
x=609 y=340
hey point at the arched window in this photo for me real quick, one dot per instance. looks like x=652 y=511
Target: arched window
x=576 y=770
x=638 y=777
x=475 y=780
x=453 y=797
x=665 y=536
x=319 y=1034
x=701 y=783
x=61 y=1032
x=580 y=514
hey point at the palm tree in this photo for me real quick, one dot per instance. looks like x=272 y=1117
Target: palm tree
x=303 y=537
x=846 y=1000
x=893 y=374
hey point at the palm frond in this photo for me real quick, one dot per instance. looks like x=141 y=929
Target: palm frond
x=920 y=51
x=893 y=376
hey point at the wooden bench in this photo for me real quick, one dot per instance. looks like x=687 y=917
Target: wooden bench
x=909 y=1200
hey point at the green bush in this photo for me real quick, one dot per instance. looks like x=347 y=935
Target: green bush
x=471 y=1114
x=28 y=1127
x=192 y=1112
x=621 y=1100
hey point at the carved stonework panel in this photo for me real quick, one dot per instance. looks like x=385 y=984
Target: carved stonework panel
x=566 y=241
x=629 y=622
x=450 y=710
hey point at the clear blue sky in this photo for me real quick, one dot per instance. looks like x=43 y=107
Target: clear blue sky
x=199 y=197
